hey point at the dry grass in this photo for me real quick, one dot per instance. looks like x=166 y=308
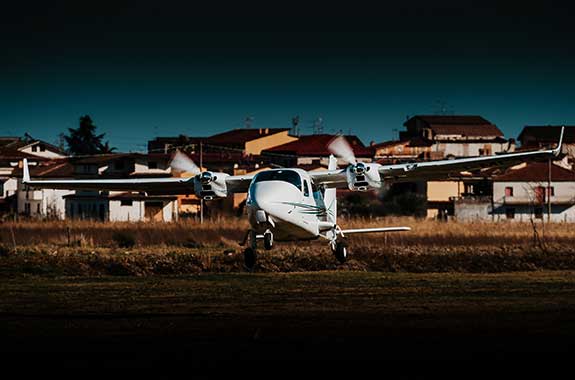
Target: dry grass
x=227 y=231
x=91 y=248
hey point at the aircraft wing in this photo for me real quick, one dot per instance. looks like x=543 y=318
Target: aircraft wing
x=238 y=183
x=444 y=169
x=170 y=185
x=149 y=185
x=330 y=178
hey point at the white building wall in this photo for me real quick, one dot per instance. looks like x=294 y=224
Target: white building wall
x=42 y=203
x=126 y=213
x=167 y=211
x=46 y=153
x=461 y=149
x=10 y=187
x=523 y=200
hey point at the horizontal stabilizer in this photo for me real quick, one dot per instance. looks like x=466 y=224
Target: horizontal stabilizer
x=380 y=229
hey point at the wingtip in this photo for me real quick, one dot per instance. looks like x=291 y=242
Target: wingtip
x=557 y=150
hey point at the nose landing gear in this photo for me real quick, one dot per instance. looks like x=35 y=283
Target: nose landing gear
x=338 y=247
x=340 y=251
x=250 y=253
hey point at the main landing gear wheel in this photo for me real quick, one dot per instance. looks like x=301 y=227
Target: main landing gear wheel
x=250 y=258
x=268 y=240
x=340 y=251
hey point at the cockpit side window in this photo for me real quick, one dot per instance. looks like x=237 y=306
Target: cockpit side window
x=288 y=176
x=305 y=188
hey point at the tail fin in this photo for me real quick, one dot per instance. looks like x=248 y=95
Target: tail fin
x=329 y=196
x=26 y=175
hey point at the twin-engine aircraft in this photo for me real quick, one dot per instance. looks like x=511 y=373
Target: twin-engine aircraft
x=288 y=204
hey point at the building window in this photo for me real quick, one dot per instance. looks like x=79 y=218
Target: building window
x=126 y=202
x=509 y=191
x=510 y=213
x=27 y=208
x=152 y=165
x=540 y=194
x=538 y=211
x=42 y=148
x=119 y=165
x=38 y=208
x=550 y=191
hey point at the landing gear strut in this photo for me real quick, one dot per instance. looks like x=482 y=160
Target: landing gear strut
x=338 y=248
x=250 y=253
x=268 y=240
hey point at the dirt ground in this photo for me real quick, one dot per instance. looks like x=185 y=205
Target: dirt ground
x=200 y=321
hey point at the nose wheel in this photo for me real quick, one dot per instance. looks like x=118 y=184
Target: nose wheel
x=338 y=246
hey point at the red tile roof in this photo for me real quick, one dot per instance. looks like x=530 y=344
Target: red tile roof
x=316 y=146
x=469 y=126
x=536 y=172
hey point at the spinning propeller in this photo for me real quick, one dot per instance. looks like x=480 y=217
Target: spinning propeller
x=341 y=148
x=183 y=163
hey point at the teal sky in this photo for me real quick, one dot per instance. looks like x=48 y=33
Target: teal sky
x=140 y=77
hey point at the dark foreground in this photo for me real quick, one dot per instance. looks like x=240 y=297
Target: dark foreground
x=202 y=320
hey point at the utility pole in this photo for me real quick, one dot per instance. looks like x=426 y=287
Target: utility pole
x=201 y=198
x=549 y=191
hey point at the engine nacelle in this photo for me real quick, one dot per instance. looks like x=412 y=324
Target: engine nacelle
x=363 y=176
x=210 y=185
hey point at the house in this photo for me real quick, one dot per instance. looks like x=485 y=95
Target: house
x=12 y=151
x=436 y=137
x=538 y=137
x=402 y=151
x=456 y=135
x=103 y=206
x=535 y=191
x=247 y=141
x=32 y=146
x=312 y=149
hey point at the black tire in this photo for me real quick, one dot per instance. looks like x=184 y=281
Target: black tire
x=250 y=258
x=268 y=241
x=340 y=252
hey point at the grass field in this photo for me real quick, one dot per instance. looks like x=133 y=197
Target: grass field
x=141 y=249
x=163 y=295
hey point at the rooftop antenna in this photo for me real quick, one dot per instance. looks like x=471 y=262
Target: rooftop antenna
x=295 y=125
x=442 y=108
x=249 y=120
x=318 y=126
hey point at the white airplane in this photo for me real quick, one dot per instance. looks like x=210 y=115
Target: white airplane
x=289 y=204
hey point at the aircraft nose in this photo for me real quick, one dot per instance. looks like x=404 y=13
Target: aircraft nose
x=271 y=196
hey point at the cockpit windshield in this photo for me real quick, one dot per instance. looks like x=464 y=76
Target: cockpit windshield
x=289 y=176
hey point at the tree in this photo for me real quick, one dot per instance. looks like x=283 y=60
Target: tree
x=84 y=140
